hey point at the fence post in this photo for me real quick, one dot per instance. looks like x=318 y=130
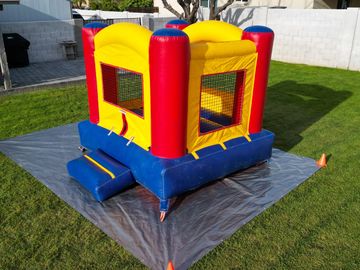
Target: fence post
x=4 y=65
x=354 y=38
x=145 y=21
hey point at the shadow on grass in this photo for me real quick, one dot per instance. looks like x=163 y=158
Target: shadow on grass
x=292 y=107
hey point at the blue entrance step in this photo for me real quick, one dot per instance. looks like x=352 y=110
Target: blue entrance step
x=100 y=174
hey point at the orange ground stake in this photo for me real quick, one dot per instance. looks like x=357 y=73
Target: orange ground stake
x=322 y=161
x=170 y=266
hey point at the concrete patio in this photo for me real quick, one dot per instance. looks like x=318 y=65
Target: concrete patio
x=46 y=74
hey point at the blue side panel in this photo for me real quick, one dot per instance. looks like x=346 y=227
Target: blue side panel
x=218 y=118
x=167 y=178
x=95 y=180
x=217 y=164
x=95 y=25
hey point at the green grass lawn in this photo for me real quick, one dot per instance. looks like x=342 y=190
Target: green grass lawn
x=311 y=110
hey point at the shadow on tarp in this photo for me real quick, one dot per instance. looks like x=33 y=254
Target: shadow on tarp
x=199 y=220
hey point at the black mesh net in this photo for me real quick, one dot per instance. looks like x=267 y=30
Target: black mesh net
x=221 y=100
x=130 y=91
x=123 y=88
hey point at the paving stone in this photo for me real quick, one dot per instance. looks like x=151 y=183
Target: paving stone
x=47 y=73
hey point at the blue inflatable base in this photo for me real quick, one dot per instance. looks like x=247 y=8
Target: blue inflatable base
x=167 y=178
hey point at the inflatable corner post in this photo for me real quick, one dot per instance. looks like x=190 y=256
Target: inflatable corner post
x=88 y=33
x=174 y=109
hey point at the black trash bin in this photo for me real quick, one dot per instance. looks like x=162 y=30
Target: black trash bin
x=16 y=48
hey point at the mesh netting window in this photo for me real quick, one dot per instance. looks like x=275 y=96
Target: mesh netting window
x=123 y=88
x=221 y=100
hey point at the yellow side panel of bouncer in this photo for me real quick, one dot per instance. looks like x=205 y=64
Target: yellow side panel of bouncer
x=213 y=31
x=242 y=58
x=125 y=46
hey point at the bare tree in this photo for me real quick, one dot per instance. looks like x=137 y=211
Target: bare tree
x=191 y=7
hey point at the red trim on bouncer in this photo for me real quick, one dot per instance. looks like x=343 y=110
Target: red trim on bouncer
x=110 y=83
x=264 y=43
x=239 y=96
x=125 y=125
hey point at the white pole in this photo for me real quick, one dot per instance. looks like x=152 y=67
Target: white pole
x=4 y=65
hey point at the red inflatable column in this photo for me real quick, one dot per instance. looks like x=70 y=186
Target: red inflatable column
x=169 y=77
x=88 y=33
x=263 y=38
x=178 y=24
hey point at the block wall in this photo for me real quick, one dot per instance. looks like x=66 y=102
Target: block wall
x=322 y=37
x=45 y=37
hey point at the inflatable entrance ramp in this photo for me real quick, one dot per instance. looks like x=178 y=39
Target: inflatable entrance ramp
x=100 y=174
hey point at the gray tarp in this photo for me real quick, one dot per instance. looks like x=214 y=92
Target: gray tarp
x=197 y=222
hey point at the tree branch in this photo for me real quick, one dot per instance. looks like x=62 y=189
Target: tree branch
x=196 y=4
x=212 y=7
x=184 y=7
x=187 y=5
x=171 y=9
x=223 y=7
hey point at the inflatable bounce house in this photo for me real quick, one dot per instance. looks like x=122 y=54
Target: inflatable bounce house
x=174 y=109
